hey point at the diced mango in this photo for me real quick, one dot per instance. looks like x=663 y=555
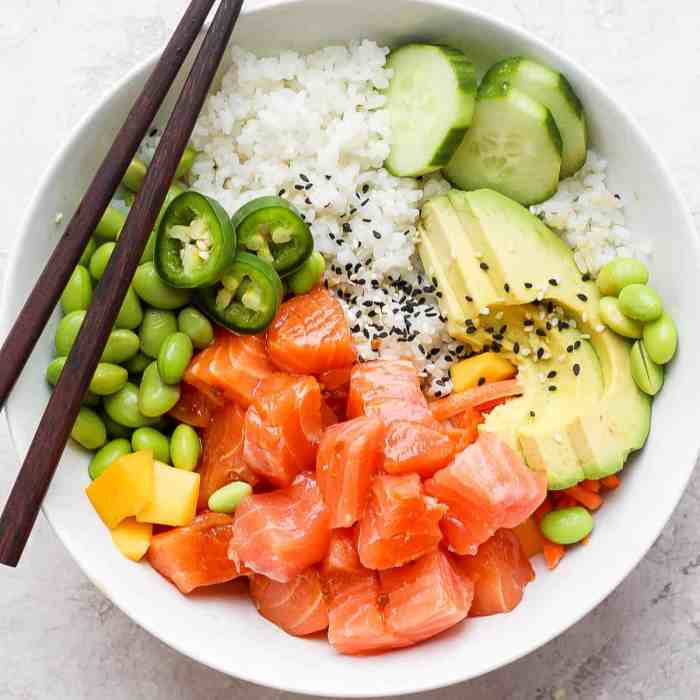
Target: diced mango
x=175 y=494
x=488 y=366
x=124 y=488
x=132 y=538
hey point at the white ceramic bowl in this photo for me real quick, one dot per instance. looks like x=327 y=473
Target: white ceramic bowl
x=221 y=627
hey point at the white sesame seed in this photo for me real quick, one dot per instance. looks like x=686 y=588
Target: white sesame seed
x=485 y=311
x=558 y=438
x=525 y=351
x=599 y=328
x=585 y=336
x=499 y=315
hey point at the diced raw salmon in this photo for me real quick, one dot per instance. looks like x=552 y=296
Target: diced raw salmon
x=335 y=386
x=530 y=537
x=283 y=428
x=281 y=533
x=233 y=365
x=414 y=447
x=194 y=407
x=341 y=558
x=298 y=607
x=425 y=597
x=400 y=522
x=499 y=571
x=196 y=555
x=349 y=455
x=487 y=486
x=222 y=454
x=311 y=335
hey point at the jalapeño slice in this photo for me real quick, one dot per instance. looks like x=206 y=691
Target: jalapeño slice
x=272 y=229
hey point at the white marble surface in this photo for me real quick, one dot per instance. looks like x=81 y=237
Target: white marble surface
x=60 y=638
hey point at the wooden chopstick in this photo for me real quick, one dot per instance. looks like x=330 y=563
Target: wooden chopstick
x=37 y=309
x=50 y=438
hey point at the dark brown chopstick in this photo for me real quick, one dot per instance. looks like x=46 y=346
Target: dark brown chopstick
x=50 y=438
x=37 y=309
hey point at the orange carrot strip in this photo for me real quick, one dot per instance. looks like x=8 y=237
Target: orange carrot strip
x=553 y=553
x=586 y=539
x=592 y=501
x=591 y=485
x=610 y=482
x=566 y=501
x=456 y=403
x=542 y=510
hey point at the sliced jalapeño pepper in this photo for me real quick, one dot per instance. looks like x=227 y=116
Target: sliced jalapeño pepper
x=195 y=241
x=246 y=298
x=272 y=229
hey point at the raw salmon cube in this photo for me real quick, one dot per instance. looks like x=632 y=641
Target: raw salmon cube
x=499 y=571
x=310 y=335
x=283 y=428
x=400 y=523
x=282 y=533
x=349 y=455
x=487 y=486
x=298 y=607
x=425 y=597
x=414 y=447
x=196 y=555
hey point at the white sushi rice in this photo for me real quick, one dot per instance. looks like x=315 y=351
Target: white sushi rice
x=312 y=128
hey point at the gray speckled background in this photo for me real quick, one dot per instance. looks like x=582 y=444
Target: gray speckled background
x=60 y=638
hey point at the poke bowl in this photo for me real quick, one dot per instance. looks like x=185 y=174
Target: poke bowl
x=300 y=111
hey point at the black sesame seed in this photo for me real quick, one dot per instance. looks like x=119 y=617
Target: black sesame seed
x=553 y=282
x=482 y=381
x=551 y=387
x=489 y=329
x=496 y=347
x=528 y=285
x=540 y=353
x=542 y=333
x=548 y=325
x=364 y=203
x=503 y=328
x=577 y=369
x=367 y=221
x=303 y=177
x=498 y=336
x=528 y=322
x=550 y=307
x=438 y=295
x=577 y=345
x=376 y=234
x=298 y=187
x=471 y=330
x=569 y=348
x=365 y=188
x=152 y=132
x=564 y=325
x=348 y=229
x=281 y=192
x=328 y=177
x=516 y=347
x=469 y=299
x=438 y=394
x=617 y=196
x=552 y=374
x=582 y=297
x=586 y=277
x=506 y=287
x=532 y=414
x=483 y=266
x=308 y=201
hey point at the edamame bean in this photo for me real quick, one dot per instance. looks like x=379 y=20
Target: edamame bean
x=149 y=250
x=615 y=320
x=99 y=260
x=185 y=447
x=151 y=288
x=640 y=302
x=155 y=396
x=229 y=497
x=130 y=313
x=91 y=400
x=87 y=253
x=107 y=454
x=134 y=175
x=174 y=356
x=122 y=345
x=308 y=275
x=157 y=325
x=123 y=407
x=647 y=375
x=619 y=273
x=89 y=430
x=67 y=331
x=138 y=363
x=107 y=379
x=53 y=371
x=567 y=526
x=197 y=326
x=110 y=225
x=152 y=439
x=114 y=429
x=185 y=164
x=661 y=339
x=77 y=294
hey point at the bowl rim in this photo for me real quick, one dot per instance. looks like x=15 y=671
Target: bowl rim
x=299 y=686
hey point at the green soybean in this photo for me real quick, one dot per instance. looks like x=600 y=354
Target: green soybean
x=67 y=331
x=613 y=318
x=229 y=497
x=107 y=379
x=648 y=376
x=138 y=363
x=53 y=371
x=114 y=429
x=619 y=273
x=77 y=294
x=123 y=407
x=89 y=430
x=155 y=396
x=173 y=357
x=91 y=400
x=122 y=345
x=152 y=439
x=157 y=325
x=197 y=326
x=110 y=225
x=87 y=253
x=661 y=339
x=185 y=447
x=134 y=175
x=99 y=260
x=150 y=249
x=641 y=303
x=130 y=313
x=567 y=526
x=107 y=454
x=308 y=275
x=185 y=164
x=151 y=288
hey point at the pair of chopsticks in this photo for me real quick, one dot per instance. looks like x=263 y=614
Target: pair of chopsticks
x=50 y=438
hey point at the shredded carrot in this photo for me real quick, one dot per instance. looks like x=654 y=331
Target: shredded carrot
x=586 y=498
x=456 y=403
x=610 y=482
x=591 y=485
x=566 y=501
x=586 y=539
x=553 y=553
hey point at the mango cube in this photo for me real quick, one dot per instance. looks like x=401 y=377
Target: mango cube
x=124 y=488
x=489 y=366
x=175 y=494
x=132 y=538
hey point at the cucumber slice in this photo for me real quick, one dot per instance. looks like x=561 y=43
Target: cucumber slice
x=513 y=147
x=430 y=100
x=554 y=91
